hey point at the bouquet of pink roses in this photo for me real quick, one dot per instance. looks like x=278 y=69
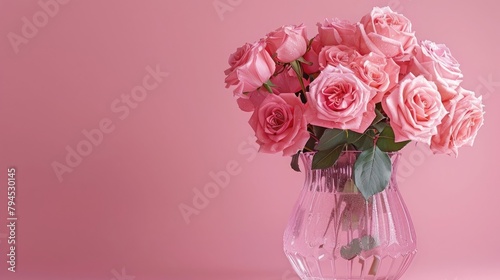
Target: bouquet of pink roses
x=368 y=86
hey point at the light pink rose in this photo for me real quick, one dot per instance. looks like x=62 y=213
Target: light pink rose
x=287 y=81
x=312 y=56
x=336 y=55
x=287 y=43
x=403 y=68
x=339 y=99
x=337 y=32
x=378 y=72
x=387 y=33
x=460 y=126
x=250 y=67
x=414 y=108
x=280 y=125
x=436 y=63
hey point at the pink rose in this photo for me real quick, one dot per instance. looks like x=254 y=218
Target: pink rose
x=279 y=124
x=378 y=72
x=337 y=32
x=414 y=108
x=252 y=99
x=338 y=99
x=251 y=67
x=287 y=43
x=403 y=68
x=387 y=33
x=238 y=58
x=436 y=63
x=287 y=81
x=460 y=126
x=312 y=56
x=336 y=55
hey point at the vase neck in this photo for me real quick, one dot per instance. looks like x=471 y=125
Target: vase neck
x=339 y=177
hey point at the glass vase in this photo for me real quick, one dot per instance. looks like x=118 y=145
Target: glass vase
x=334 y=233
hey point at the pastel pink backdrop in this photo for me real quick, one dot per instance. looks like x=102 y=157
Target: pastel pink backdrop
x=117 y=213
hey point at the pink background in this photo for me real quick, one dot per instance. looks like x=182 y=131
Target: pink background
x=119 y=208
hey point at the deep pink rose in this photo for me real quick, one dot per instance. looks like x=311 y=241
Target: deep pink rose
x=287 y=81
x=460 y=126
x=339 y=99
x=415 y=109
x=287 y=43
x=279 y=124
x=387 y=33
x=312 y=56
x=336 y=55
x=436 y=63
x=337 y=32
x=378 y=72
x=251 y=67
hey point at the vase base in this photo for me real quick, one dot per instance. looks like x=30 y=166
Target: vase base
x=368 y=268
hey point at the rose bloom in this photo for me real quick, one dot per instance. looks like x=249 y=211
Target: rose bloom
x=436 y=63
x=238 y=58
x=460 y=126
x=287 y=81
x=279 y=124
x=336 y=55
x=253 y=99
x=414 y=108
x=378 y=72
x=250 y=67
x=287 y=43
x=337 y=32
x=387 y=33
x=339 y=99
x=312 y=56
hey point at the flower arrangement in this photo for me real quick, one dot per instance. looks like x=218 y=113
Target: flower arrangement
x=369 y=86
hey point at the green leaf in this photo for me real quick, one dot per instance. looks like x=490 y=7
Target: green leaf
x=302 y=60
x=378 y=118
x=387 y=143
x=268 y=85
x=310 y=144
x=367 y=242
x=325 y=159
x=351 y=250
x=332 y=138
x=380 y=126
x=296 y=68
x=353 y=137
x=366 y=141
x=356 y=246
x=298 y=71
x=378 y=122
x=295 y=162
x=372 y=172
x=318 y=131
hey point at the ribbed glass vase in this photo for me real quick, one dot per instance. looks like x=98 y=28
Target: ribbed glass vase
x=334 y=233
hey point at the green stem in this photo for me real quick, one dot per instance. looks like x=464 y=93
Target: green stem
x=298 y=71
